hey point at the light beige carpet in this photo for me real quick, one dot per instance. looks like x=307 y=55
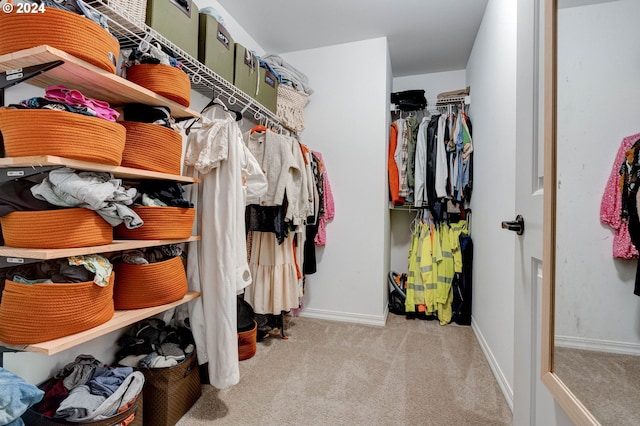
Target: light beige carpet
x=607 y=384
x=409 y=372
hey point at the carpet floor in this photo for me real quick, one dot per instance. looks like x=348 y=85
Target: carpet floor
x=409 y=372
x=607 y=384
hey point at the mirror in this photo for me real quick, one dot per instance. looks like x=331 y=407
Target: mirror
x=593 y=117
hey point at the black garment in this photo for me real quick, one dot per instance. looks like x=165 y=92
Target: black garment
x=309 y=265
x=462 y=284
x=267 y=219
x=168 y=192
x=15 y=195
x=409 y=100
x=147 y=114
x=432 y=153
x=57 y=270
x=633 y=223
x=631 y=183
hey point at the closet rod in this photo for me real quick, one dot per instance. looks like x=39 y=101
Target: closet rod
x=131 y=33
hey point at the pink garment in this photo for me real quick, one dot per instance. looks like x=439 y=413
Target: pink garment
x=76 y=99
x=611 y=205
x=329 y=206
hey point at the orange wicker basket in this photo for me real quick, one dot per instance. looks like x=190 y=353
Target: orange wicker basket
x=52 y=229
x=154 y=284
x=165 y=80
x=152 y=147
x=160 y=223
x=33 y=313
x=247 y=343
x=64 y=134
x=67 y=31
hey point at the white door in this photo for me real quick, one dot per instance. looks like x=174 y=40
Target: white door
x=533 y=404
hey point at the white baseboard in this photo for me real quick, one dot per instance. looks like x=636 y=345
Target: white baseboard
x=377 y=320
x=493 y=363
x=596 y=345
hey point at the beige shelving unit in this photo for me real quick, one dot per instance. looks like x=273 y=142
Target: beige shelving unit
x=89 y=79
x=120 y=319
x=96 y=83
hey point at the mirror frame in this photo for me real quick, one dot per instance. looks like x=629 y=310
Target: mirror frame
x=562 y=394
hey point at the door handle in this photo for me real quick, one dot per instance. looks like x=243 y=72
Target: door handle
x=517 y=225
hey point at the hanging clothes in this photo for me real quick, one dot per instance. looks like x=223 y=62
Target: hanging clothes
x=401 y=157
x=217 y=265
x=275 y=287
x=630 y=183
x=431 y=271
x=392 y=166
x=281 y=164
x=611 y=204
x=328 y=209
x=420 y=191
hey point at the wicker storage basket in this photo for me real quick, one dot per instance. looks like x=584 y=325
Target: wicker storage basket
x=247 y=342
x=152 y=147
x=290 y=107
x=67 y=31
x=33 y=313
x=52 y=229
x=64 y=134
x=154 y=284
x=170 y=392
x=32 y=418
x=134 y=10
x=160 y=223
x=165 y=80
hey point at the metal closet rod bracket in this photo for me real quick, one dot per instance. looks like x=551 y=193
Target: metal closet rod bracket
x=15 y=76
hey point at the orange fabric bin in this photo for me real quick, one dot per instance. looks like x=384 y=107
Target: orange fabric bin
x=54 y=229
x=67 y=31
x=34 y=313
x=153 y=284
x=160 y=223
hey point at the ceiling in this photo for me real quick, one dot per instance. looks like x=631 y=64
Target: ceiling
x=424 y=36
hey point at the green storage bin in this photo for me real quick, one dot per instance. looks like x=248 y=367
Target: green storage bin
x=178 y=24
x=256 y=82
x=216 y=49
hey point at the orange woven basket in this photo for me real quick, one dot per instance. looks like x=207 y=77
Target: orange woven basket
x=67 y=31
x=53 y=229
x=247 y=343
x=154 y=284
x=60 y=133
x=165 y=80
x=33 y=313
x=152 y=147
x=160 y=223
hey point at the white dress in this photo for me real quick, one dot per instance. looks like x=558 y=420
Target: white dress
x=217 y=264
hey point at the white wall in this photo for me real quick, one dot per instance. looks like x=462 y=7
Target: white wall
x=346 y=120
x=432 y=84
x=598 y=105
x=491 y=73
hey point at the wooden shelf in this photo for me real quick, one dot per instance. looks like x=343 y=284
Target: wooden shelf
x=118 y=171
x=116 y=245
x=92 y=81
x=120 y=319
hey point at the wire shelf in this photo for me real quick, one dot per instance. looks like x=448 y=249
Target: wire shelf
x=133 y=33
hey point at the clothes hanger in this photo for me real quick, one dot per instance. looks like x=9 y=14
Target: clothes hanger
x=213 y=103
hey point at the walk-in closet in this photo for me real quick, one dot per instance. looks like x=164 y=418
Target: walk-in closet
x=220 y=212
